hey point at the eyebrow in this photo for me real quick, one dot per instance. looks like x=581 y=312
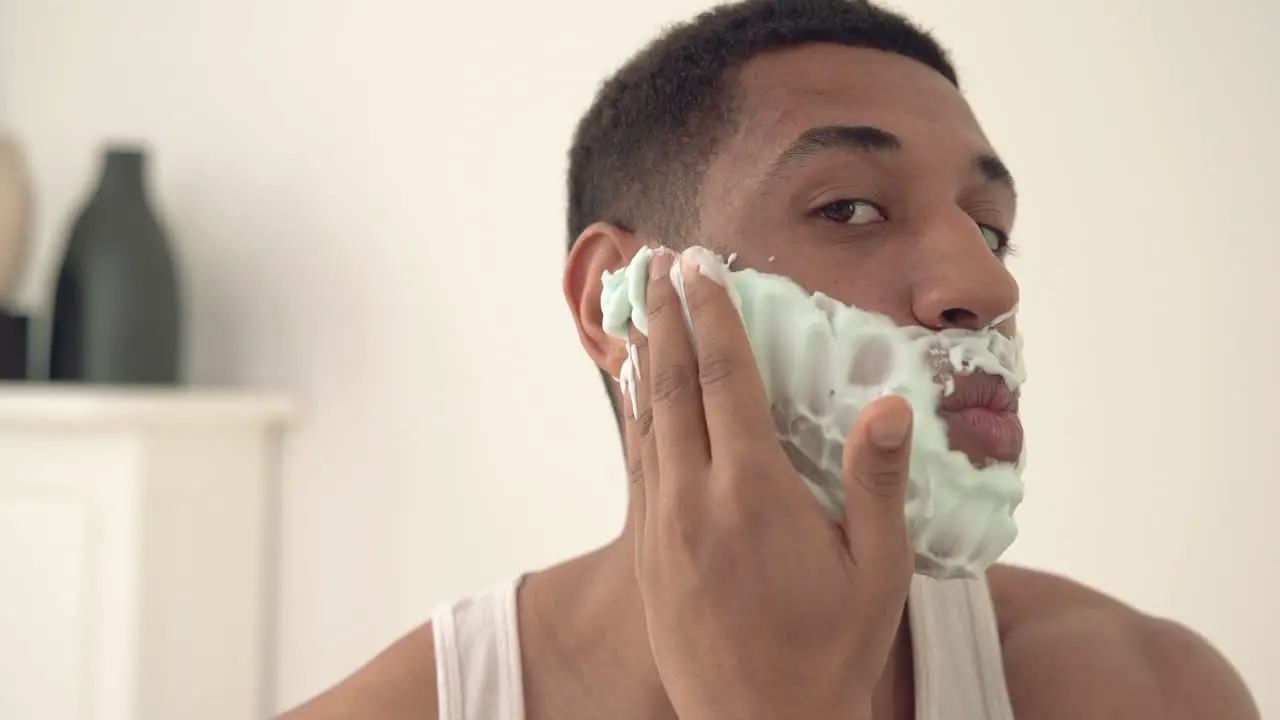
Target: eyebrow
x=868 y=139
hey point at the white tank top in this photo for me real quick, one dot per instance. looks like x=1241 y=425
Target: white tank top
x=959 y=672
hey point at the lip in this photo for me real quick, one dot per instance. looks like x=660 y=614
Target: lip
x=984 y=435
x=980 y=390
x=982 y=419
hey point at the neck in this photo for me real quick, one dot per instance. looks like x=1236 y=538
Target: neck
x=586 y=616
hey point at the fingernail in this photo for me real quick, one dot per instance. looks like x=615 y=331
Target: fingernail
x=660 y=264
x=889 y=430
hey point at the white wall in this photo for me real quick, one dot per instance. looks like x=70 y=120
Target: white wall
x=368 y=201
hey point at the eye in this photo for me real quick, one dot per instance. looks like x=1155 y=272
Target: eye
x=852 y=212
x=997 y=240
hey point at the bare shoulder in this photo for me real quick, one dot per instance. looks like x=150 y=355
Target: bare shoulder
x=398 y=684
x=1072 y=652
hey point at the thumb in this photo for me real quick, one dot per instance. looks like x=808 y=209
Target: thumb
x=877 y=458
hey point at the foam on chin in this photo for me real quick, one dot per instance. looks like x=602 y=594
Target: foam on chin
x=822 y=362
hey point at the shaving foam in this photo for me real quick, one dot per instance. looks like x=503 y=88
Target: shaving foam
x=822 y=362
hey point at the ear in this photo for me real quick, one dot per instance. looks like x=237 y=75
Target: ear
x=600 y=248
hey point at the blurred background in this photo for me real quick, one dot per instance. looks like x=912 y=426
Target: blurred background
x=367 y=200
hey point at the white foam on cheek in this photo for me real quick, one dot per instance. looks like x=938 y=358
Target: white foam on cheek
x=822 y=362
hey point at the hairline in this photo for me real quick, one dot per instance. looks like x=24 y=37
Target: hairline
x=730 y=104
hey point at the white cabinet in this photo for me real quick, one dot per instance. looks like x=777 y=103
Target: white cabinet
x=137 y=539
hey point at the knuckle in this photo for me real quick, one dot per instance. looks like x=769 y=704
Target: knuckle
x=669 y=381
x=715 y=371
x=885 y=482
x=661 y=298
x=644 y=422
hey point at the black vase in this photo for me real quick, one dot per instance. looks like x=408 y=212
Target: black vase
x=14 y=330
x=117 y=314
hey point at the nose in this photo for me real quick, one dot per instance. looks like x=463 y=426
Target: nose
x=959 y=281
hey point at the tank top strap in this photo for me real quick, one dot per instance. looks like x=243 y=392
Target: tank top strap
x=478 y=665
x=959 y=667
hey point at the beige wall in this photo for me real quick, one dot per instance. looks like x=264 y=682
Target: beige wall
x=368 y=199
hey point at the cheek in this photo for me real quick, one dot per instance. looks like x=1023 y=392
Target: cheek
x=872 y=365
x=872 y=287
x=866 y=272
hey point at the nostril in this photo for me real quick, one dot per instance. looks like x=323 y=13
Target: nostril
x=960 y=318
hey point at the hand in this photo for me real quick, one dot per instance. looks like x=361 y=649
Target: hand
x=757 y=606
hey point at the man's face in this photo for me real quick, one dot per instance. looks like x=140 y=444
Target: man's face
x=864 y=175
x=856 y=173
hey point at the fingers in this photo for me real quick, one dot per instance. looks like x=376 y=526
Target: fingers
x=640 y=422
x=679 y=432
x=636 y=476
x=876 y=467
x=733 y=396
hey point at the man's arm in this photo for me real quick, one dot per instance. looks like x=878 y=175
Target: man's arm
x=398 y=684
x=1195 y=676
x=1117 y=663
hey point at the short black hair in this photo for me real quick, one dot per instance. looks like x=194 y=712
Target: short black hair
x=639 y=152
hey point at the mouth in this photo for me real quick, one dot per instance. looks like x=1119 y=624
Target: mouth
x=982 y=419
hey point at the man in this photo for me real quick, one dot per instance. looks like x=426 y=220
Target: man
x=827 y=141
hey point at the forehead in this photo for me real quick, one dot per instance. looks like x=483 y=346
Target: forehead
x=784 y=93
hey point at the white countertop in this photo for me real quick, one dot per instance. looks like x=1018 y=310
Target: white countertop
x=41 y=404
